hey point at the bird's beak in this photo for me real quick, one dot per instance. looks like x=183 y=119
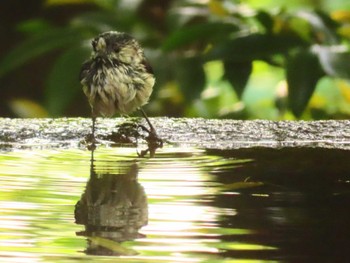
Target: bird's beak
x=101 y=45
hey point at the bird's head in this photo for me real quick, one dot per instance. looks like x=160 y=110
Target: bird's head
x=119 y=46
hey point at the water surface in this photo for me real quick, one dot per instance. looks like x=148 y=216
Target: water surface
x=184 y=205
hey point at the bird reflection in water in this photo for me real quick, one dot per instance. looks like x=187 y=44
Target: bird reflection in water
x=113 y=208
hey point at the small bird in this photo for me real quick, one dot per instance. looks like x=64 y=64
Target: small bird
x=117 y=78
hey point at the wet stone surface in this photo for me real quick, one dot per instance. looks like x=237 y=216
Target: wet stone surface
x=196 y=132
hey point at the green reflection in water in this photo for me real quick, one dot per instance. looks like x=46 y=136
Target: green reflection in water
x=38 y=194
x=41 y=190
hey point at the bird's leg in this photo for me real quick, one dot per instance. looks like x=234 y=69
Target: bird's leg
x=154 y=142
x=93 y=127
x=92 y=138
x=152 y=129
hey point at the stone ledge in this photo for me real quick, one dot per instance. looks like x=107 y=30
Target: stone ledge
x=194 y=132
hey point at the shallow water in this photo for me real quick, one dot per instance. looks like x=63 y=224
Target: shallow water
x=184 y=205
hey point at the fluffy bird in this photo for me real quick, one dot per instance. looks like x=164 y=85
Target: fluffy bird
x=117 y=78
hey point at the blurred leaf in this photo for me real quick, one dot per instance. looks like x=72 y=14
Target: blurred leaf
x=34 y=26
x=344 y=31
x=324 y=27
x=63 y=83
x=335 y=60
x=303 y=71
x=254 y=46
x=65 y=2
x=106 y=4
x=198 y=33
x=301 y=27
x=25 y=108
x=238 y=73
x=327 y=19
x=217 y=7
x=190 y=76
x=341 y=16
x=37 y=45
x=344 y=87
x=266 y=20
x=234 y=111
x=98 y=22
x=210 y=102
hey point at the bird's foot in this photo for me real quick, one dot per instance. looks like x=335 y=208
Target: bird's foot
x=131 y=133
x=153 y=141
x=91 y=141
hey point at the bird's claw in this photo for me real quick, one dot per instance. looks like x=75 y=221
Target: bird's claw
x=91 y=140
x=153 y=141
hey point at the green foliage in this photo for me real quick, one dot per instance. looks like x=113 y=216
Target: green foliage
x=198 y=33
x=182 y=37
x=190 y=76
x=254 y=46
x=303 y=72
x=38 y=44
x=61 y=87
x=237 y=73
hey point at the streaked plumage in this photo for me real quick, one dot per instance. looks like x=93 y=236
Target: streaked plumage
x=117 y=78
